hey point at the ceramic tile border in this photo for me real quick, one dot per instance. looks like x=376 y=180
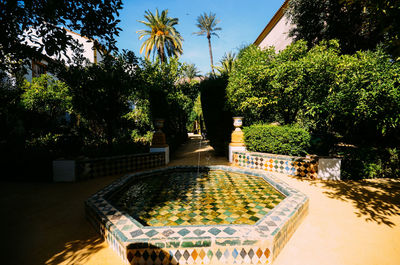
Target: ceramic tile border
x=290 y=165
x=267 y=233
x=106 y=166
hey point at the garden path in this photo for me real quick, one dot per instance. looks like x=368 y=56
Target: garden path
x=348 y=222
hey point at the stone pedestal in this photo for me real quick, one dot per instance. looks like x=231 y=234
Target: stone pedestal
x=64 y=171
x=237 y=138
x=235 y=149
x=159 y=143
x=161 y=149
x=329 y=168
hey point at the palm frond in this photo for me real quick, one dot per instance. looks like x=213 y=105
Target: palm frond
x=161 y=35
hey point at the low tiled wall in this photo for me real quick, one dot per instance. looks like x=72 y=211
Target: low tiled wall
x=296 y=166
x=73 y=170
x=107 y=166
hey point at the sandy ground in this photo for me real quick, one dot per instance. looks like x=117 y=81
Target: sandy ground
x=348 y=222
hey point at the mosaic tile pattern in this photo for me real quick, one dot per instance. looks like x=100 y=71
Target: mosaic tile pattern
x=108 y=166
x=188 y=198
x=197 y=244
x=295 y=166
x=241 y=255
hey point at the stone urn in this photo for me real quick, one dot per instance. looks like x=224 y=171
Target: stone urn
x=159 y=137
x=237 y=138
x=159 y=124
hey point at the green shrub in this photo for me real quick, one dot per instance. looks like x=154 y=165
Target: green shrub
x=283 y=140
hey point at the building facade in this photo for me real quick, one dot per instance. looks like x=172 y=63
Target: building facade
x=90 y=52
x=276 y=33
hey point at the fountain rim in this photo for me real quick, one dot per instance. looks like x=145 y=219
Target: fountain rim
x=265 y=228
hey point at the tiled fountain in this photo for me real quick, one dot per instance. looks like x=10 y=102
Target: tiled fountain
x=191 y=215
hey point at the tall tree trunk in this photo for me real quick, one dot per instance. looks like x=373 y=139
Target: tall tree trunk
x=161 y=54
x=211 y=57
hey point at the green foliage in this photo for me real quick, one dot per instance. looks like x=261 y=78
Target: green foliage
x=137 y=137
x=163 y=38
x=284 y=140
x=48 y=96
x=357 y=24
x=44 y=20
x=140 y=116
x=364 y=104
x=355 y=97
x=218 y=120
x=227 y=63
x=101 y=95
x=370 y=162
x=168 y=98
x=47 y=108
x=248 y=91
x=195 y=116
x=190 y=71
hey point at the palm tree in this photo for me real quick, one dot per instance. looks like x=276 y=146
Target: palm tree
x=190 y=71
x=163 y=38
x=227 y=63
x=208 y=25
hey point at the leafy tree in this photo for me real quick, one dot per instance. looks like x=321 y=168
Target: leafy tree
x=249 y=90
x=354 y=97
x=357 y=24
x=163 y=38
x=207 y=23
x=101 y=95
x=41 y=23
x=168 y=98
x=385 y=16
x=47 y=96
x=364 y=102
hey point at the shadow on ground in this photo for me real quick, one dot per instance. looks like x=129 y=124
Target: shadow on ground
x=77 y=252
x=45 y=222
x=375 y=200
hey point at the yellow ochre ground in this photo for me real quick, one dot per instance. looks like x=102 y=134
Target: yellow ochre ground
x=348 y=222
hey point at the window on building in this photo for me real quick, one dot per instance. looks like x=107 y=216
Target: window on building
x=38 y=68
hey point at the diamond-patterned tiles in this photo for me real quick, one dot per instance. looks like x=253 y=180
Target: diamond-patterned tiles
x=297 y=166
x=208 y=198
x=241 y=255
x=257 y=243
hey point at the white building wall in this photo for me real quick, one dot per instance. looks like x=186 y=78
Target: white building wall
x=278 y=36
x=87 y=47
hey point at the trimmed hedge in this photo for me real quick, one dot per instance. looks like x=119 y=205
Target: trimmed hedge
x=283 y=140
x=217 y=119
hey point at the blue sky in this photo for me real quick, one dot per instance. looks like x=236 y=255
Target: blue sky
x=241 y=23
